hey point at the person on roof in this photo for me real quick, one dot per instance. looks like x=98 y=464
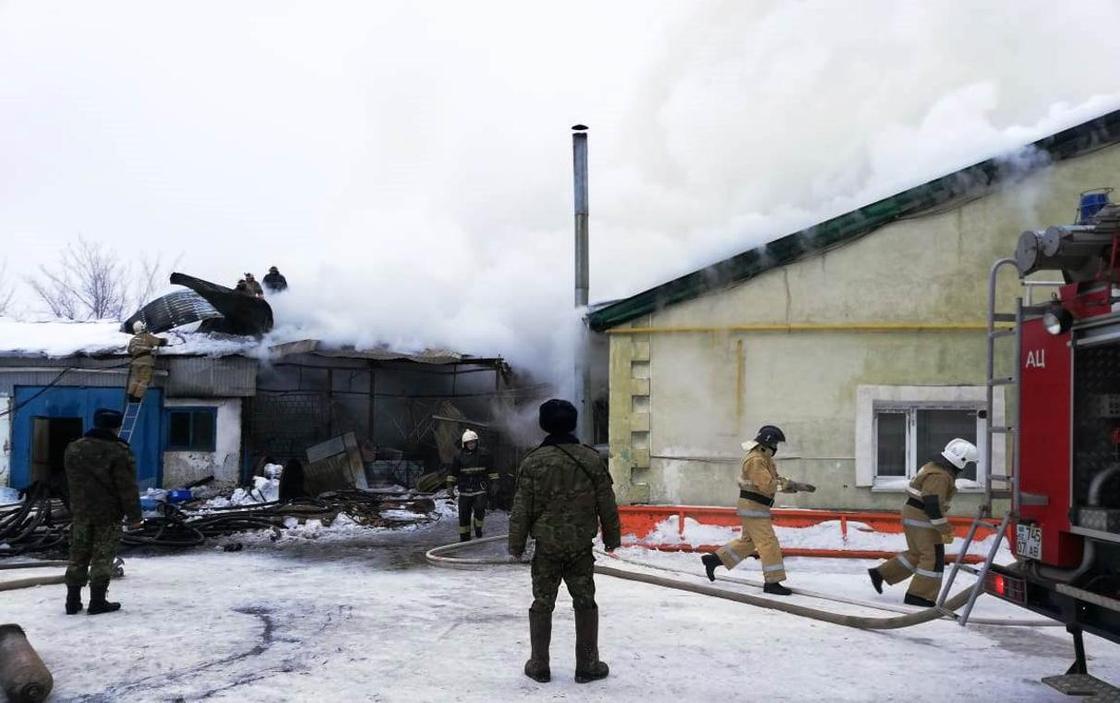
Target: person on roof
x=275 y=281
x=927 y=528
x=253 y=286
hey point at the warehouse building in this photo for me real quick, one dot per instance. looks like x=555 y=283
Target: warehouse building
x=863 y=337
x=224 y=409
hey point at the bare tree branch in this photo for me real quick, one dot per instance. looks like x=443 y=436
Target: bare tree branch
x=88 y=282
x=7 y=290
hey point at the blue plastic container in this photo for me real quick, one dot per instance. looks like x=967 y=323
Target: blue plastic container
x=149 y=503
x=1091 y=203
x=179 y=495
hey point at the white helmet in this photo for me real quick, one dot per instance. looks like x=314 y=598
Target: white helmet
x=960 y=453
x=469 y=436
x=138 y=327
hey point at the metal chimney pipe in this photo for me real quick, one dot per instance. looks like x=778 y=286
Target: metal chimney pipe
x=579 y=163
x=582 y=283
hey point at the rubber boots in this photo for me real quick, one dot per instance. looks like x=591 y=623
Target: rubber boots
x=73 y=600
x=776 y=589
x=918 y=600
x=97 y=602
x=540 y=634
x=876 y=579
x=588 y=666
x=711 y=561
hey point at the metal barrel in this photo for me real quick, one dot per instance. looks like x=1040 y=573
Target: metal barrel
x=23 y=676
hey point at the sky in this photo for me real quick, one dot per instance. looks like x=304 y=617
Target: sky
x=408 y=165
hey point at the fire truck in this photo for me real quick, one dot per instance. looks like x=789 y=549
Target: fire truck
x=1063 y=478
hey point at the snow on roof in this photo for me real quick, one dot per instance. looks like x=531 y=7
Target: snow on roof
x=59 y=338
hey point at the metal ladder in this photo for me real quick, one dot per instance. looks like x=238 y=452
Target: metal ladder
x=131 y=415
x=1009 y=482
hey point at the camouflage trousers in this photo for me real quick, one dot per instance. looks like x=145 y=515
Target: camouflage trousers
x=576 y=570
x=93 y=547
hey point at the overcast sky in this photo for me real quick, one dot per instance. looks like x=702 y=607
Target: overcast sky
x=408 y=164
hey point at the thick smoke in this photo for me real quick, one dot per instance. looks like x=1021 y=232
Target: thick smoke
x=408 y=165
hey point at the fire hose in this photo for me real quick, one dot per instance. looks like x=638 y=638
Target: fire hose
x=439 y=556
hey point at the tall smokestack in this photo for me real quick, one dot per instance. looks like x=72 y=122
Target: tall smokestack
x=579 y=163
x=582 y=282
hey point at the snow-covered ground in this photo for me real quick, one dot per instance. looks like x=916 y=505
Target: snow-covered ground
x=351 y=614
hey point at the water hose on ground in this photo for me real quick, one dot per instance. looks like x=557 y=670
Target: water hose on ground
x=16 y=584
x=438 y=556
x=905 y=610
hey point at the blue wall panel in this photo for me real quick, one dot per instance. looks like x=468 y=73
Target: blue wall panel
x=80 y=401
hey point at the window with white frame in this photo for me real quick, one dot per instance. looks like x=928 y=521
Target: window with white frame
x=907 y=436
x=899 y=428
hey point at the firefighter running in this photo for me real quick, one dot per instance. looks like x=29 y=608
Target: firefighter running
x=101 y=476
x=141 y=348
x=757 y=485
x=564 y=493
x=473 y=473
x=927 y=529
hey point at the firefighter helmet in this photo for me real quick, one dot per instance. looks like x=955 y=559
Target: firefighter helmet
x=138 y=327
x=960 y=453
x=768 y=436
x=469 y=436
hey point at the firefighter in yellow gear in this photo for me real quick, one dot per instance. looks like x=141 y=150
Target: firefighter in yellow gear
x=757 y=485
x=141 y=348
x=926 y=526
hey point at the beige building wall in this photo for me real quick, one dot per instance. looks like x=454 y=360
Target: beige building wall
x=687 y=387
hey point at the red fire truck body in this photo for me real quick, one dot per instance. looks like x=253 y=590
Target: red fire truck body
x=1065 y=490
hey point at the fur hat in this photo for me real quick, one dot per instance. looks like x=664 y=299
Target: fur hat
x=105 y=419
x=558 y=416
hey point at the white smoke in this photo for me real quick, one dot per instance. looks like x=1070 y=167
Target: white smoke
x=408 y=165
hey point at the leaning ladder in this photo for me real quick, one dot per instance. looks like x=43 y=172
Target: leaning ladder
x=1009 y=482
x=131 y=415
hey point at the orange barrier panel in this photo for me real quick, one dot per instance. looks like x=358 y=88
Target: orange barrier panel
x=641 y=520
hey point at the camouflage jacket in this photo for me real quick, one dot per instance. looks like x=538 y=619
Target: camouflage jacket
x=101 y=476
x=564 y=492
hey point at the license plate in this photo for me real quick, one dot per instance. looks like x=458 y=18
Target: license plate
x=1028 y=541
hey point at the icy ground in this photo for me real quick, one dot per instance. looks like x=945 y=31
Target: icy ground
x=354 y=614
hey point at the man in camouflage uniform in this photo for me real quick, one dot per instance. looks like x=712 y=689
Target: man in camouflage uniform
x=927 y=529
x=473 y=473
x=563 y=494
x=141 y=348
x=101 y=476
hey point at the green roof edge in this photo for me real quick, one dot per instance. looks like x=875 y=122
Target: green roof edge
x=1068 y=143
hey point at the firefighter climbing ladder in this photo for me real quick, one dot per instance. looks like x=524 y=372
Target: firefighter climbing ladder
x=1008 y=488
x=131 y=415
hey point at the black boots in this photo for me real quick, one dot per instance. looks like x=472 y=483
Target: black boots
x=588 y=666
x=776 y=589
x=478 y=531
x=97 y=602
x=465 y=537
x=711 y=561
x=876 y=580
x=540 y=634
x=73 y=600
x=911 y=599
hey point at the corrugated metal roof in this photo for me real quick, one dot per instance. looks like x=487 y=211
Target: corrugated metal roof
x=846 y=228
x=428 y=356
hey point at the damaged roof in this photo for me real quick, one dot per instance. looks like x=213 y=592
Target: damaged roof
x=381 y=353
x=1067 y=144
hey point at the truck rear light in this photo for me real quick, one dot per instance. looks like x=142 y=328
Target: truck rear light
x=1006 y=587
